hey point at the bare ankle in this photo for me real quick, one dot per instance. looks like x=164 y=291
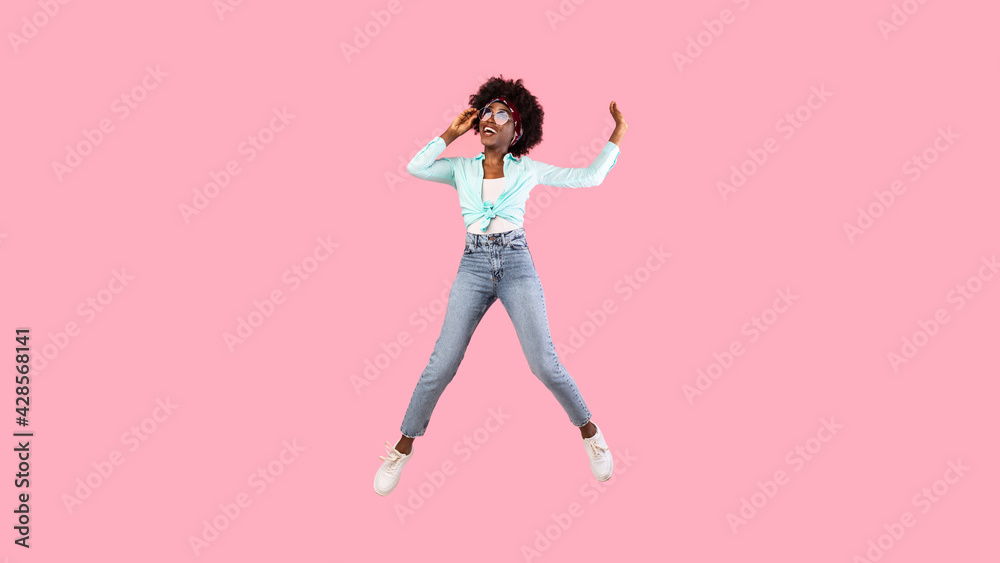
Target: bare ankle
x=405 y=445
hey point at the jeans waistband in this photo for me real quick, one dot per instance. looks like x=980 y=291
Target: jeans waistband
x=504 y=238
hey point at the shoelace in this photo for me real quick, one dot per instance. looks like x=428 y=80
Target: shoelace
x=596 y=448
x=393 y=458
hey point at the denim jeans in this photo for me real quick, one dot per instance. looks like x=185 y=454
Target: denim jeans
x=494 y=266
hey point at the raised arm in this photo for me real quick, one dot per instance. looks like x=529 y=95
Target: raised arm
x=584 y=177
x=589 y=176
x=427 y=166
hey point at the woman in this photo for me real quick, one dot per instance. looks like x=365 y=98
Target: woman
x=497 y=264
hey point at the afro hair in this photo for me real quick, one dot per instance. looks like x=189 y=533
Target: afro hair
x=527 y=106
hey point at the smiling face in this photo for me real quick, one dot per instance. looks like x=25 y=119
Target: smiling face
x=504 y=133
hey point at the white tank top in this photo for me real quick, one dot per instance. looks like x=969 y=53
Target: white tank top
x=492 y=188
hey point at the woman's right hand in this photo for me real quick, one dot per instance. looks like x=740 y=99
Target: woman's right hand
x=463 y=122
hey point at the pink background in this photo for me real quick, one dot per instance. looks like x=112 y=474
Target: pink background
x=329 y=173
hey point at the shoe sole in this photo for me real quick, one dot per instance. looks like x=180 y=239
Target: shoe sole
x=610 y=473
x=380 y=493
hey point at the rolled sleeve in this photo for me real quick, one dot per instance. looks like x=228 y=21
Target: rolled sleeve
x=427 y=166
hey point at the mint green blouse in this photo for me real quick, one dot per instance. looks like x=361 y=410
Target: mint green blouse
x=521 y=173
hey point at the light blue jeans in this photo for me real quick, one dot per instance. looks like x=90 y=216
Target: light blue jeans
x=494 y=266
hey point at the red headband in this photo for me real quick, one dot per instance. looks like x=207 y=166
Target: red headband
x=518 y=129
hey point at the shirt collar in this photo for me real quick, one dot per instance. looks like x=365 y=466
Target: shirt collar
x=506 y=157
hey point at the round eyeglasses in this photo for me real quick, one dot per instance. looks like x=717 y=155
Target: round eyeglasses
x=501 y=116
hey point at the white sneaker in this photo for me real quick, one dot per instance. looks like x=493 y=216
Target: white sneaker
x=388 y=474
x=601 y=462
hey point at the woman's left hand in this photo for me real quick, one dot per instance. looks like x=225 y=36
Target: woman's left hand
x=619 y=119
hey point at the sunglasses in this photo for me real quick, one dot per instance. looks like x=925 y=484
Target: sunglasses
x=501 y=116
